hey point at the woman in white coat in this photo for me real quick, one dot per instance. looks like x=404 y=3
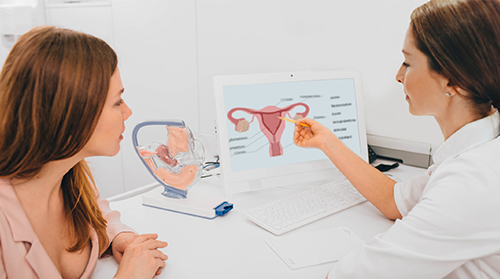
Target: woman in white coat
x=447 y=219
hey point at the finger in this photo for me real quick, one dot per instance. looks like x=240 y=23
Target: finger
x=118 y=257
x=298 y=138
x=155 y=244
x=306 y=121
x=160 y=263
x=298 y=127
x=146 y=237
x=304 y=124
x=301 y=130
x=133 y=237
x=160 y=255
x=304 y=133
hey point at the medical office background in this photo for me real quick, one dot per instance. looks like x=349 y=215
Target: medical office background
x=169 y=51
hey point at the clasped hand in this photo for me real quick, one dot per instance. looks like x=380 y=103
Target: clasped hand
x=138 y=255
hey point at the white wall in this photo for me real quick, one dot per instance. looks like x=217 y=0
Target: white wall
x=248 y=36
x=156 y=45
x=169 y=50
x=16 y=18
x=3 y=54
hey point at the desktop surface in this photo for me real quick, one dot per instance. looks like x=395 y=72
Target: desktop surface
x=231 y=246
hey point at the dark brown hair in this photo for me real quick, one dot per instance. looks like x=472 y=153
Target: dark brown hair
x=53 y=87
x=461 y=39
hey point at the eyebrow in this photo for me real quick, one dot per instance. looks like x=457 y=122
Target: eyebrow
x=406 y=52
x=121 y=91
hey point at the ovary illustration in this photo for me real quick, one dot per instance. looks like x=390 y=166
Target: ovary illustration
x=269 y=123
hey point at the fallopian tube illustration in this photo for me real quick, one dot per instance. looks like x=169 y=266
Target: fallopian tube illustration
x=270 y=124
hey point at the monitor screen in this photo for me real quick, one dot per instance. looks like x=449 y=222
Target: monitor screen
x=256 y=146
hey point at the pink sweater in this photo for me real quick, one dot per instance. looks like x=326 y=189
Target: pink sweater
x=21 y=253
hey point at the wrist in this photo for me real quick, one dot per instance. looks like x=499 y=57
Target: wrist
x=124 y=233
x=330 y=143
x=122 y=236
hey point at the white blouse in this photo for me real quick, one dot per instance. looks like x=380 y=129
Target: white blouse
x=451 y=216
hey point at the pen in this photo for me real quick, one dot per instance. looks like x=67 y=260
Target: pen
x=293 y=121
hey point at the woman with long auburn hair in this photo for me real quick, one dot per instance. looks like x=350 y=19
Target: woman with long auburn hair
x=61 y=102
x=448 y=219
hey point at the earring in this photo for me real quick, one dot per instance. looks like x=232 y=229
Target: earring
x=448 y=94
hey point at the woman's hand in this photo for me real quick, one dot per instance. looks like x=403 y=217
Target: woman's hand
x=120 y=243
x=317 y=136
x=141 y=258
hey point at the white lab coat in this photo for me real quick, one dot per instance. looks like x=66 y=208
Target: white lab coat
x=451 y=216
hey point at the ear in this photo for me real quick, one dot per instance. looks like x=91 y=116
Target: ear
x=455 y=90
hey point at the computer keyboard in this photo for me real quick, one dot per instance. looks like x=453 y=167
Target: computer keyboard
x=303 y=208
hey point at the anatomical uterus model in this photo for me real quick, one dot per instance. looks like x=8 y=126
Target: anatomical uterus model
x=270 y=124
x=168 y=162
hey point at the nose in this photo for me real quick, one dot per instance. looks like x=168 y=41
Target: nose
x=127 y=112
x=400 y=74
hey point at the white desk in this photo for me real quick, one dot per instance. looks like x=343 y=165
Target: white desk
x=231 y=246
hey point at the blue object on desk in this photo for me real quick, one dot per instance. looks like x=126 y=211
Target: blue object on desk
x=223 y=208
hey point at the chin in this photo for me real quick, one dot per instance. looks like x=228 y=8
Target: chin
x=415 y=112
x=111 y=152
x=115 y=153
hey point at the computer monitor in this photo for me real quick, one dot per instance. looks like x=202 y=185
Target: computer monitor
x=256 y=147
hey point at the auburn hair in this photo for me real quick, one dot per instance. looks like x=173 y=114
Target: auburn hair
x=461 y=39
x=53 y=87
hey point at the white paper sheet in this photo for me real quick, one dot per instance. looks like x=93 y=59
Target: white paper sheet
x=315 y=248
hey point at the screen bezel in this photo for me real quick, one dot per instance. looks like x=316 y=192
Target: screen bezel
x=282 y=175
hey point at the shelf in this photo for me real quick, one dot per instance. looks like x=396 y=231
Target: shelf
x=76 y=3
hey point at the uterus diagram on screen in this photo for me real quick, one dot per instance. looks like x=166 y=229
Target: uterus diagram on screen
x=269 y=123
